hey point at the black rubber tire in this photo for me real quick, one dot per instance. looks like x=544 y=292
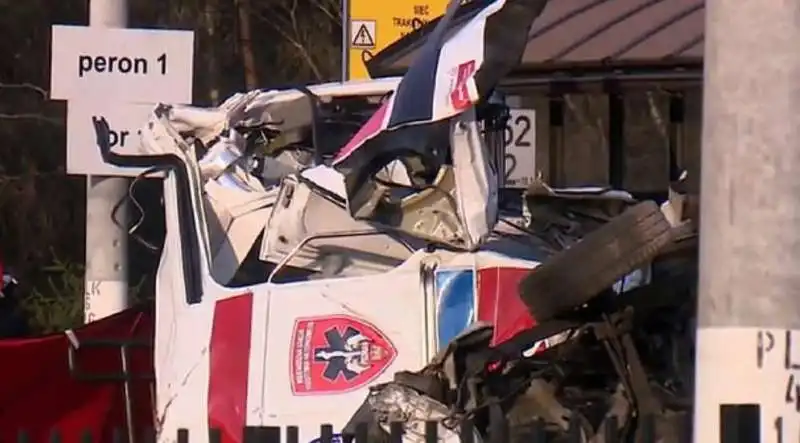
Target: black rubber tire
x=684 y=241
x=572 y=277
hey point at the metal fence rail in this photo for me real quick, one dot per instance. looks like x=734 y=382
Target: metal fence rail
x=537 y=432
x=739 y=423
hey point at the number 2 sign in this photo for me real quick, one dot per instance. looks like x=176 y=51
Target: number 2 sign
x=519 y=139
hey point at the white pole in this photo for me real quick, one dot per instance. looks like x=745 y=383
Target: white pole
x=748 y=356
x=106 y=280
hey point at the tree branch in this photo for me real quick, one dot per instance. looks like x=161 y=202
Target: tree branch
x=583 y=119
x=655 y=114
x=26 y=86
x=293 y=36
x=7 y=179
x=37 y=117
x=326 y=9
x=303 y=52
x=303 y=48
x=246 y=44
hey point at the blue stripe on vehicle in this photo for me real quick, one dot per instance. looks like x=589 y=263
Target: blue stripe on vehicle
x=455 y=289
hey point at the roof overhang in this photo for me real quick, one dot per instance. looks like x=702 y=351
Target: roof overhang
x=583 y=39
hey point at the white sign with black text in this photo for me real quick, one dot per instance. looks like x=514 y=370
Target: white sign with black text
x=519 y=138
x=753 y=372
x=121 y=65
x=118 y=74
x=125 y=121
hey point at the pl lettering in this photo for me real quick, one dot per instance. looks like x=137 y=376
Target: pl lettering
x=121 y=65
x=767 y=342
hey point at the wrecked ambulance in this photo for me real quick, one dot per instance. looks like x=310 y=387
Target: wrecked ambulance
x=321 y=239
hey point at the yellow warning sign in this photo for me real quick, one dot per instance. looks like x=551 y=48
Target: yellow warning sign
x=362 y=34
x=382 y=23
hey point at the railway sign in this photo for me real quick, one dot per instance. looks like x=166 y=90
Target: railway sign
x=121 y=65
x=119 y=74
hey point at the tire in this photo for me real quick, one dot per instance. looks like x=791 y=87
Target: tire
x=684 y=241
x=572 y=277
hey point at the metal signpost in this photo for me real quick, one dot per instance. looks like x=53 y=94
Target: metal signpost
x=119 y=74
x=748 y=337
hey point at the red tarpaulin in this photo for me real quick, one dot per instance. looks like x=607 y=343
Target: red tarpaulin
x=39 y=394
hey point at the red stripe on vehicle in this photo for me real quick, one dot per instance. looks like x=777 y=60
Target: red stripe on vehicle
x=499 y=302
x=229 y=353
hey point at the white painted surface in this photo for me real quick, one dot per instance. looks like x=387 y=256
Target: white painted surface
x=121 y=65
x=125 y=121
x=464 y=46
x=183 y=335
x=520 y=143
x=393 y=313
x=766 y=372
x=106 y=276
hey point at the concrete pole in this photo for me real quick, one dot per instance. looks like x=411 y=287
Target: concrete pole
x=748 y=339
x=106 y=280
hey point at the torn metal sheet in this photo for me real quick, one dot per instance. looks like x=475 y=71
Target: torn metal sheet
x=452 y=73
x=314 y=229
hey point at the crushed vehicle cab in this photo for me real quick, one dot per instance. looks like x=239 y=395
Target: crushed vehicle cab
x=301 y=340
x=321 y=239
x=298 y=349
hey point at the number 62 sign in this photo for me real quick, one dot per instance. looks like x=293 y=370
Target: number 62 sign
x=519 y=139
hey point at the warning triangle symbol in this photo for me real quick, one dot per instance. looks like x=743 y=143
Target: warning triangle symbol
x=363 y=39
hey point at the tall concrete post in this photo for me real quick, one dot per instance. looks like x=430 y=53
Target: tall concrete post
x=748 y=338
x=106 y=280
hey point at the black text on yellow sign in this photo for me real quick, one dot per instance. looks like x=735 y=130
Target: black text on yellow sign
x=374 y=25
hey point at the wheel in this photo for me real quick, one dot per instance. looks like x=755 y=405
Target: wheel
x=572 y=277
x=684 y=241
